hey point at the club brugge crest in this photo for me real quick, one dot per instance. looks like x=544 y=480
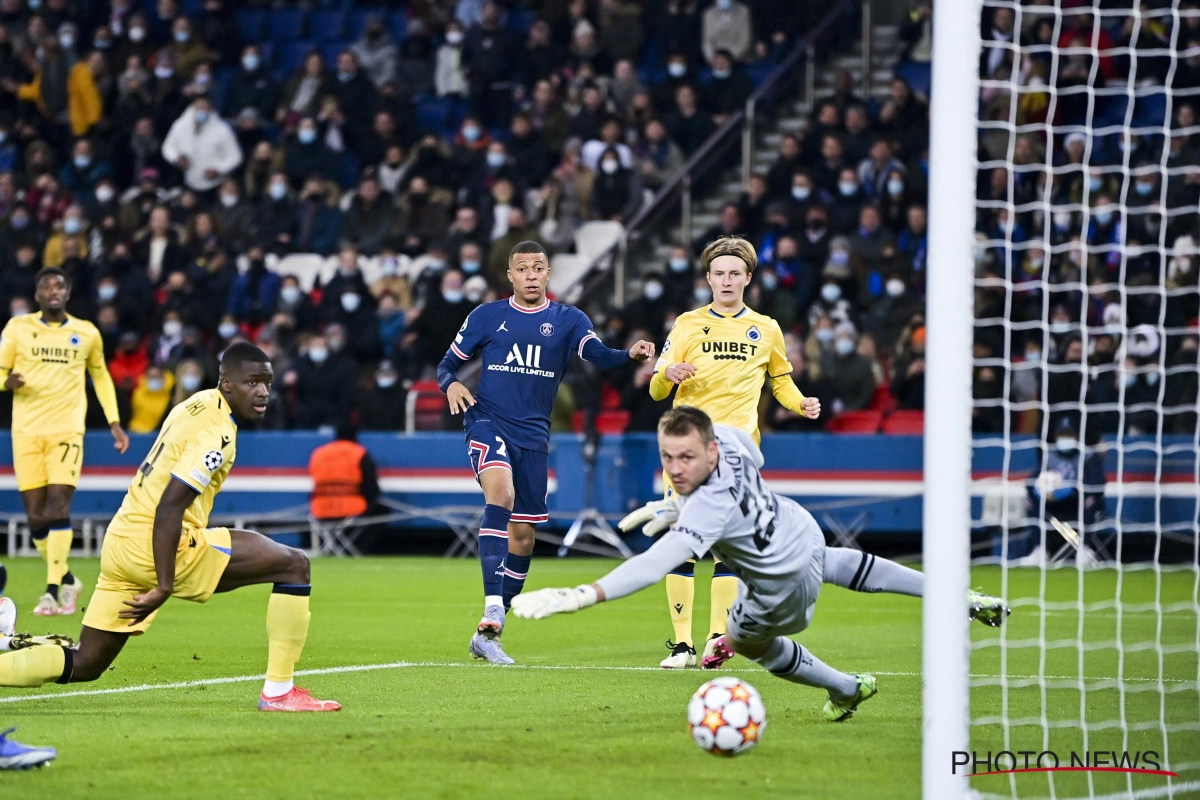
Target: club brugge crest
x=74 y=340
x=753 y=334
x=547 y=329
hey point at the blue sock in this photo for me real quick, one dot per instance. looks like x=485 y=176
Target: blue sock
x=516 y=570
x=493 y=547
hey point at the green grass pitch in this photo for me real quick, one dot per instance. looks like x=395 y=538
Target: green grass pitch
x=581 y=717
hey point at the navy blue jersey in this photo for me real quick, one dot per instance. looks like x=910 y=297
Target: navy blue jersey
x=525 y=352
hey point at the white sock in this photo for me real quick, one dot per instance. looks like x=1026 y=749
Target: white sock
x=276 y=688
x=5 y=644
x=492 y=600
x=788 y=660
x=863 y=572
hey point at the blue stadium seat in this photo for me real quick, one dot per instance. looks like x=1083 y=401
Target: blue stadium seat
x=397 y=22
x=285 y=26
x=250 y=23
x=327 y=26
x=521 y=20
x=437 y=113
x=331 y=50
x=918 y=76
x=1150 y=107
x=292 y=55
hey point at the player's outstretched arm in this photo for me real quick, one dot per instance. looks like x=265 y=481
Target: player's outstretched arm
x=634 y=575
x=657 y=516
x=168 y=527
x=593 y=350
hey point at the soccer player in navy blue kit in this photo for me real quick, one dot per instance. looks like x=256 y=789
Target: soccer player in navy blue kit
x=525 y=343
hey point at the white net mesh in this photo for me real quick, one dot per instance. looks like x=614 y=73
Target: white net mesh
x=1085 y=398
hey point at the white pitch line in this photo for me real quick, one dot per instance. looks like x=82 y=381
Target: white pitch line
x=147 y=687
x=1176 y=787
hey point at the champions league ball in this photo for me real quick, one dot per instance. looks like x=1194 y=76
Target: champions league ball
x=726 y=716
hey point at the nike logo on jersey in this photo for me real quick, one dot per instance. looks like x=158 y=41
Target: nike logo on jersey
x=502 y=327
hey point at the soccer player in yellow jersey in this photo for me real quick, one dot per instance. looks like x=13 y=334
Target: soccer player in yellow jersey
x=718 y=356
x=43 y=357
x=158 y=546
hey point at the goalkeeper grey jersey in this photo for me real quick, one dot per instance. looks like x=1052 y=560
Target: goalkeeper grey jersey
x=768 y=541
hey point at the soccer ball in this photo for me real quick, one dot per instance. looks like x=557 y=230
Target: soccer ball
x=726 y=716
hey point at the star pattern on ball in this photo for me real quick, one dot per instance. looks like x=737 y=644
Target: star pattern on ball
x=738 y=692
x=750 y=732
x=712 y=720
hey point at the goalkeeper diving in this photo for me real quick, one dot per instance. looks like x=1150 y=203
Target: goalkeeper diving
x=773 y=546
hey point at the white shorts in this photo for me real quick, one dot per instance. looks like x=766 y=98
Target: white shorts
x=755 y=619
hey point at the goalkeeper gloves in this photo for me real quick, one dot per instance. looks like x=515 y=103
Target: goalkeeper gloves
x=657 y=515
x=544 y=602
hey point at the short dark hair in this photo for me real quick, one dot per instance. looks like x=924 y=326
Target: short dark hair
x=46 y=272
x=682 y=420
x=240 y=353
x=525 y=247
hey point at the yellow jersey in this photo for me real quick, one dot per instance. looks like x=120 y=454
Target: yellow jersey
x=732 y=356
x=197 y=445
x=52 y=359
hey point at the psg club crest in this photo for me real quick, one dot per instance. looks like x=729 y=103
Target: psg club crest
x=74 y=340
x=547 y=329
x=753 y=334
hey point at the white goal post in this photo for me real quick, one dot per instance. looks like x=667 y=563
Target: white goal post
x=950 y=327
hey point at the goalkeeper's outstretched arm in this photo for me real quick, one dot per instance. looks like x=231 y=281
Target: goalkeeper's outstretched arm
x=634 y=575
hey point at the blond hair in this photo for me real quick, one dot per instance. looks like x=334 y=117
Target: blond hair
x=730 y=246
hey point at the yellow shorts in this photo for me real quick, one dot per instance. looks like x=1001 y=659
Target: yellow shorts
x=42 y=460
x=127 y=569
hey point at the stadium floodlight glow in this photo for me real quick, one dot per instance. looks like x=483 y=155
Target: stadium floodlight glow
x=949 y=293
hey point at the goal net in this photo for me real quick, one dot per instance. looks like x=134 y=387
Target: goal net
x=1084 y=507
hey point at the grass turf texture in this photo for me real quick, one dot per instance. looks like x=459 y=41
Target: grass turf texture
x=465 y=729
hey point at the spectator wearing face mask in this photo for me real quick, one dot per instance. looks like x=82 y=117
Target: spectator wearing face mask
x=308 y=156
x=617 y=190
x=255 y=293
x=202 y=146
x=252 y=87
x=381 y=407
x=449 y=77
x=151 y=400
x=355 y=314
x=430 y=334
x=649 y=310
x=348 y=278
x=846 y=204
x=295 y=303
x=728 y=86
x=74 y=227
x=892 y=310
x=767 y=296
x=318 y=223
x=377 y=54
x=166 y=347
x=391 y=324
x=81 y=174
x=189 y=379
x=848 y=372
x=322 y=387
x=678 y=279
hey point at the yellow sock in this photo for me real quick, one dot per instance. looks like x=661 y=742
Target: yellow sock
x=722 y=595
x=58 y=550
x=40 y=544
x=681 y=592
x=287 y=629
x=32 y=667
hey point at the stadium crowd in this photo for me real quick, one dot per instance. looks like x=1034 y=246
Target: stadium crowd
x=167 y=154
x=1096 y=235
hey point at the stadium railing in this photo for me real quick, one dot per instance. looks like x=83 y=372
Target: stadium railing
x=610 y=268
